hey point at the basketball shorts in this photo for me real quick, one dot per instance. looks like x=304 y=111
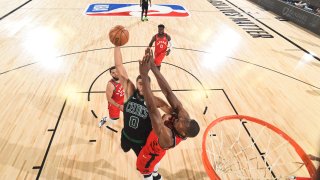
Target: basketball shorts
x=145 y=6
x=159 y=58
x=146 y=161
x=114 y=112
x=126 y=145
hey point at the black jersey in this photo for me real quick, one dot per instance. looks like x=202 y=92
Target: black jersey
x=137 y=123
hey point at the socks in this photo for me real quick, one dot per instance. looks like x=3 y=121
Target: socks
x=147 y=177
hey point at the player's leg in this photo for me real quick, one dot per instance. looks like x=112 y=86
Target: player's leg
x=158 y=59
x=102 y=121
x=147 y=162
x=146 y=13
x=143 y=163
x=147 y=177
x=155 y=174
x=114 y=114
x=125 y=143
x=142 y=12
x=136 y=148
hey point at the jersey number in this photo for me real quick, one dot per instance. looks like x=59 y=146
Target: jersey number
x=134 y=122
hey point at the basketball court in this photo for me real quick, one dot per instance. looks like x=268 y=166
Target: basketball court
x=230 y=57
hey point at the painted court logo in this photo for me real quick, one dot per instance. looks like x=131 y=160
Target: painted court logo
x=168 y=10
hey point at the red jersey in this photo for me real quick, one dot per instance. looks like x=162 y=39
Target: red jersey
x=161 y=44
x=118 y=92
x=118 y=97
x=152 y=153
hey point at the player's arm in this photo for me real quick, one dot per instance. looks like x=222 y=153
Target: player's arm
x=109 y=92
x=128 y=86
x=140 y=3
x=152 y=41
x=163 y=133
x=166 y=89
x=170 y=45
x=150 y=2
x=163 y=105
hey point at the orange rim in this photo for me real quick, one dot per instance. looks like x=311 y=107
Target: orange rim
x=208 y=167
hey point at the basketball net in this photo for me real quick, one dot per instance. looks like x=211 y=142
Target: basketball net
x=243 y=147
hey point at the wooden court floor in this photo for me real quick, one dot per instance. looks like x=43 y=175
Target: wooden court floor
x=53 y=74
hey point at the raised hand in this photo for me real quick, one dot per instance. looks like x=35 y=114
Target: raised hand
x=151 y=59
x=144 y=65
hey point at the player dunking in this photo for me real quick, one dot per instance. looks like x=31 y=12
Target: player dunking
x=163 y=45
x=115 y=97
x=168 y=130
x=144 y=5
x=137 y=124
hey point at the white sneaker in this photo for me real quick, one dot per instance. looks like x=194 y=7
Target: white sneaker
x=102 y=121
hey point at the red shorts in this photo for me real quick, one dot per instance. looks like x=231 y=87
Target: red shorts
x=146 y=161
x=159 y=58
x=114 y=112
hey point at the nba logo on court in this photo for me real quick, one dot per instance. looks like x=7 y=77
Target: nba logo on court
x=168 y=10
x=101 y=7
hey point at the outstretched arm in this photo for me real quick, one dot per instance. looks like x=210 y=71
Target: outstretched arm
x=128 y=86
x=170 y=45
x=152 y=41
x=151 y=105
x=163 y=133
x=165 y=88
x=163 y=105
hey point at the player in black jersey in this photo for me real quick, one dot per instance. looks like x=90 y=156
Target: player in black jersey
x=144 y=5
x=137 y=123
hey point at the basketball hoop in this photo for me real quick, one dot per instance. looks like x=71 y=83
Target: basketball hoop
x=252 y=149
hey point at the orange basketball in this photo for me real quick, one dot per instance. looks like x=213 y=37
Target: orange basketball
x=118 y=35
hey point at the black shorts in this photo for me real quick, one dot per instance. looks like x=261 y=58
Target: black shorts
x=145 y=6
x=126 y=145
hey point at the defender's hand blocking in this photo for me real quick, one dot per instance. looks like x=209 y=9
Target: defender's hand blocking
x=149 y=52
x=144 y=65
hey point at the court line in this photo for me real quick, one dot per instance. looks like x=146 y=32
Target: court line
x=188 y=49
x=284 y=37
x=275 y=72
x=94 y=114
x=18 y=67
x=14 y=10
x=50 y=142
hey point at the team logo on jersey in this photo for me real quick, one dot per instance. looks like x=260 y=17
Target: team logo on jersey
x=168 y=10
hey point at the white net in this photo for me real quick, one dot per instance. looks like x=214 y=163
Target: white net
x=247 y=150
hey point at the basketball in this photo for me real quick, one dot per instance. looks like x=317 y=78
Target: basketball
x=118 y=35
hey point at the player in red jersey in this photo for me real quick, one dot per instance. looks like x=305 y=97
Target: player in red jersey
x=163 y=45
x=115 y=97
x=168 y=130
